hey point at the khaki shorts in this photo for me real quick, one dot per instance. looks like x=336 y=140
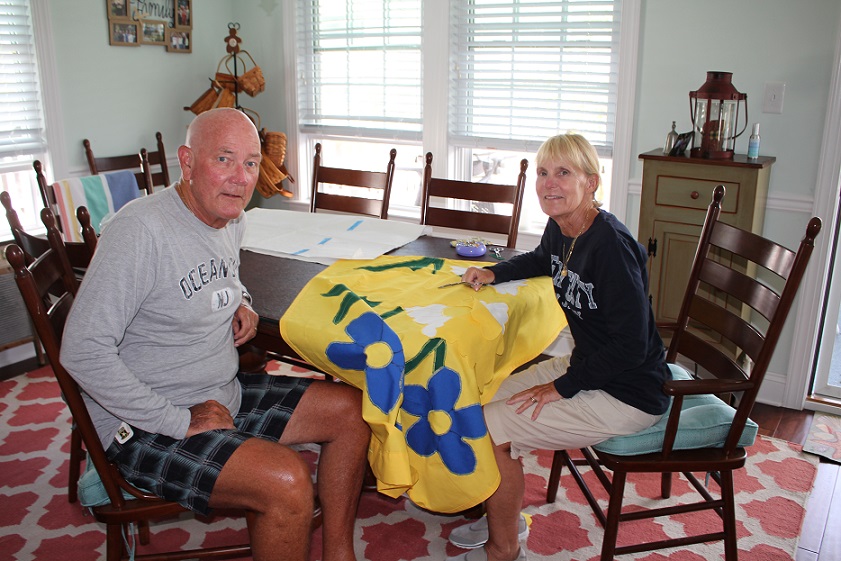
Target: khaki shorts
x=585 y=419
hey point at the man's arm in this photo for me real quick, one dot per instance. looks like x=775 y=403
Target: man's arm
x=245 y=321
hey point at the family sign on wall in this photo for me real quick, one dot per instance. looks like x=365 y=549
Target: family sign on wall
x=168 y=23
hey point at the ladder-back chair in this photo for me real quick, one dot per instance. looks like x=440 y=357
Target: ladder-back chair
x=49 y=309
x=153 y=171
x=32 y=247
x=377 y=183
x=449 y=203
x=48 y=196
x=741 y=288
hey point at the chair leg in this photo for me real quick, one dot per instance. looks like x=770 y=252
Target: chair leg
x=77 y=456
x=113 y=542
x=554 y=476
x=731 y=552
x=614 y=509
x=666 y=484
x=143 y=532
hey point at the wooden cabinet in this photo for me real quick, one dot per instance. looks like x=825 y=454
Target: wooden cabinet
x=676 y=191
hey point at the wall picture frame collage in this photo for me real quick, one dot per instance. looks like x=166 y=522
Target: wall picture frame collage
x=167 y=23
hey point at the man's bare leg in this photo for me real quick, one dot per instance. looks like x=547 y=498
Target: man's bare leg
x=330 y=414
x=274 y=485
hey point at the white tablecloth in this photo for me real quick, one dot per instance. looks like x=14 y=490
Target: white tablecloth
x=324 y=238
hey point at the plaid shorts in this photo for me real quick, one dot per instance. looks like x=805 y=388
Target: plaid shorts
x=185 y=471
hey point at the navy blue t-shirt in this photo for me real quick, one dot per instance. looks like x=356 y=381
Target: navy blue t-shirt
x=605 y=298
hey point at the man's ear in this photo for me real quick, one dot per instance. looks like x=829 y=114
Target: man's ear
x=185 y=160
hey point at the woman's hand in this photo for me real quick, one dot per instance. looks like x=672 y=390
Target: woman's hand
x=477 y=277
x=537 y=396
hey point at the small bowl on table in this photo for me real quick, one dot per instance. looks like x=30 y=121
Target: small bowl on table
x=471 y=249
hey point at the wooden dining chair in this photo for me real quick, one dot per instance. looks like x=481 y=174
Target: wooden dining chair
x=32 y=247
x=125 y=504
x=465 y=205
x=48 y=197
x=728 y=308
x=377 y=184
x=152 y=166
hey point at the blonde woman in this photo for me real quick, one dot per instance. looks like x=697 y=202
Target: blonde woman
x=612 y=382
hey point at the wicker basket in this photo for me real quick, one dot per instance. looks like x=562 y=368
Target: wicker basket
x=226 y=79
x=274 y=146
x=215 y=96
x=269 y=182
x=226 y=98
x=251 y=81
x=205 y=101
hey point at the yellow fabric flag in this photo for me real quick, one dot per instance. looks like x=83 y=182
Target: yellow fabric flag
x=427 y=359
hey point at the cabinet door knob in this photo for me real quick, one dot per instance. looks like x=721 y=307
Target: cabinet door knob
x=695 y=194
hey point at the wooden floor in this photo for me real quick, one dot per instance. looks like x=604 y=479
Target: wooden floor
x=818 y=542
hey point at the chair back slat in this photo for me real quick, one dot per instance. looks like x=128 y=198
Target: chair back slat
x=463 y=205
x=33 y=245
x=377 y=184
x=466 y=220
x=742 y=287
x=351 y=205
x=754 y=247
x=728 y=325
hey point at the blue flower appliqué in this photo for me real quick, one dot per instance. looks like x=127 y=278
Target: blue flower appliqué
x=383 y=364
x=441 y=427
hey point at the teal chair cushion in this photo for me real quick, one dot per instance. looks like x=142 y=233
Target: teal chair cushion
x=91 y=490
x=704 y=422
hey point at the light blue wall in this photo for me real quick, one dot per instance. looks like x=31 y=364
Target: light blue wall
x=758 y=41
x=118 y=97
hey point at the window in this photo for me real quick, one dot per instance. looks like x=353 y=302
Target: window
x=22 y=137
x=479 y=83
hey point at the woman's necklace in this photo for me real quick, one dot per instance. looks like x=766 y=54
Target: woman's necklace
x=564 y=270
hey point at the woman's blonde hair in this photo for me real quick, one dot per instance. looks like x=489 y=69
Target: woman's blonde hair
x=576 y=150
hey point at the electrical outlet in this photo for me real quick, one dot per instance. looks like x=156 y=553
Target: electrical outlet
x=773 y=100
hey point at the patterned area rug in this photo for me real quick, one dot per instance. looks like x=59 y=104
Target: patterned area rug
x=824 y=437
x=37 y=522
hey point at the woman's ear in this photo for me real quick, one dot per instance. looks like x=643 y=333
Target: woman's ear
x=593 y=182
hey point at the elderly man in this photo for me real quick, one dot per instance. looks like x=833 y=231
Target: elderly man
x=151 y=340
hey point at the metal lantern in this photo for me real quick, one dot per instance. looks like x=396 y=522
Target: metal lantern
x=714 y=109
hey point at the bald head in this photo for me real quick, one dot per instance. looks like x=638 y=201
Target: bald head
x=220 y=165
x=217 y=121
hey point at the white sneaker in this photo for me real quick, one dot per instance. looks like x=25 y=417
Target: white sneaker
x=471 y=536
x=480 y=555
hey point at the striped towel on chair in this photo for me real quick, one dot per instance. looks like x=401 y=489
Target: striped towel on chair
x=102 y=194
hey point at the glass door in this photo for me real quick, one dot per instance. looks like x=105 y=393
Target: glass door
x=827 y=377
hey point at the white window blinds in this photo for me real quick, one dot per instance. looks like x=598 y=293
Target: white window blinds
x=527 y=70
x=359 y=67
x=21 y=119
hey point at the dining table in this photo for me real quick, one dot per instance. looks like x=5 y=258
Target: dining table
x=274 y=282
x=426 y=357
